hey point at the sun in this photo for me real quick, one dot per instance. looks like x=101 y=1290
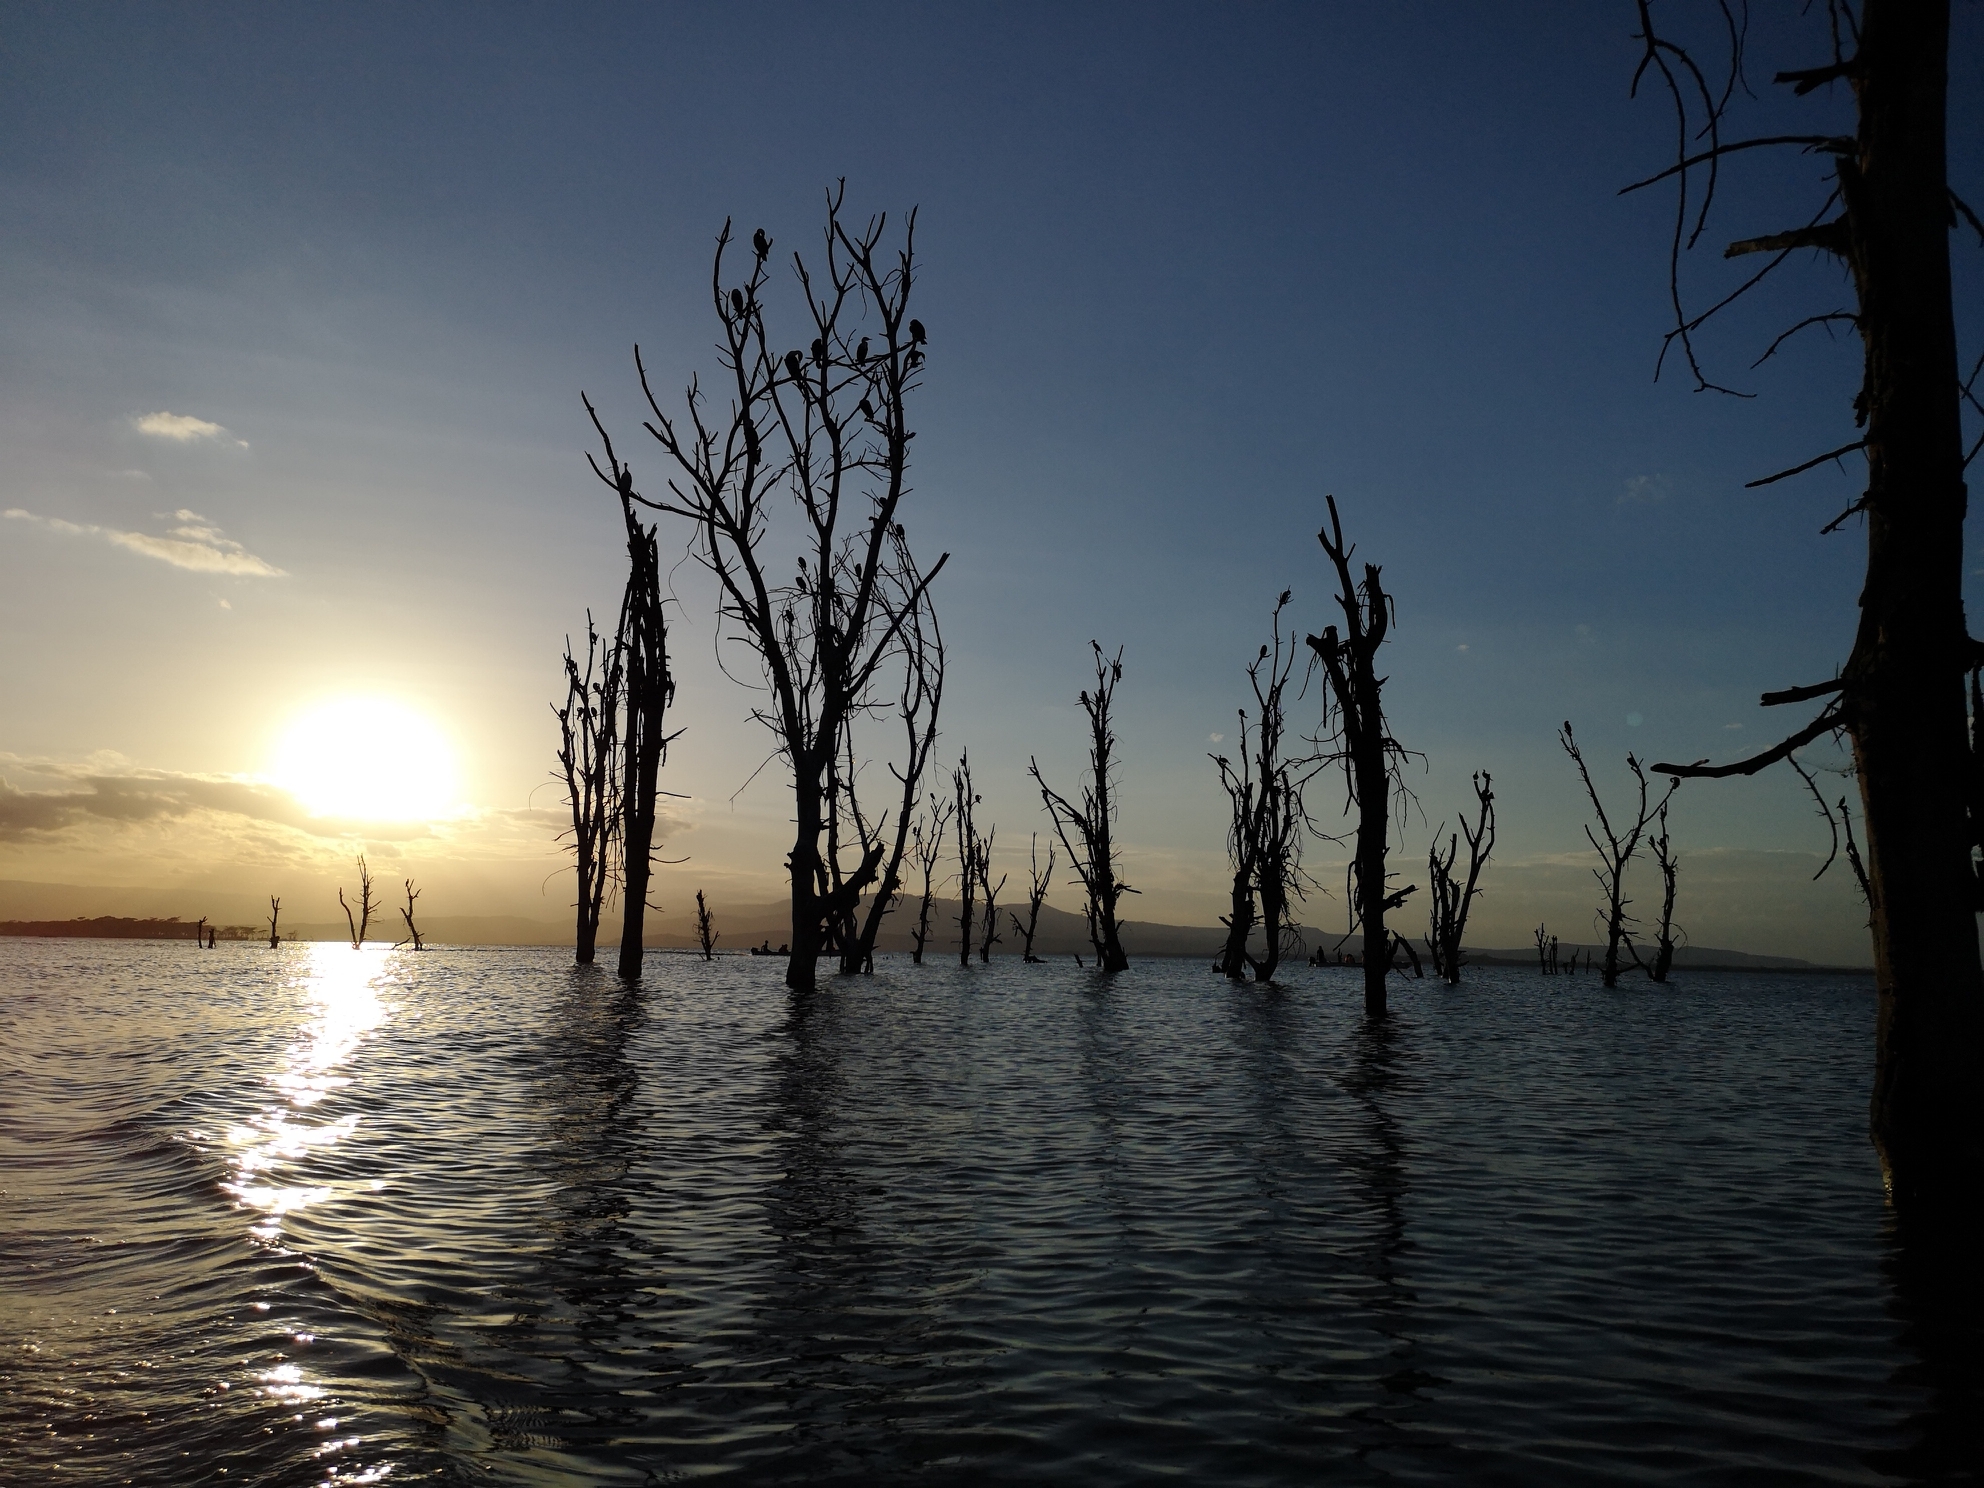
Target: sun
x=367 y=759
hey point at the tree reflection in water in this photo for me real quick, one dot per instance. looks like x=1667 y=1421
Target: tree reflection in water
x=1938 y=1301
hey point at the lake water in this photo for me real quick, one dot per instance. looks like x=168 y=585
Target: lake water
x=317 y=1216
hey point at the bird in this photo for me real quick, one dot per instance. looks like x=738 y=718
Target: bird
x=867 y=409
x=761 y=244
x=916 y=332
x=861 y=351
x=792 y=362
x=737 y=301
x=819 y=351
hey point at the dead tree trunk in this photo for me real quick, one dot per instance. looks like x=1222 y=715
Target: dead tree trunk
x=1900 y=694
x=1093 y=825
x=275 y=913
x=1615 y=853
x=990 y=937
x=1036 y=895
x=1366 y=749
x=366 y=904
x=1670 y=871
x=928 y=838
x=588 y=745
x=1452 y=897
x=821 y=431
x=970 y=854
x=707 y=934
x=1542 y=952
x=412 y=930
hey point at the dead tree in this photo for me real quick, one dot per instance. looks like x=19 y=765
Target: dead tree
x=1452 y=897
x=1670 y=872
x=990 y=936
x=366 y=904
x=1036 y=895
x=275 y=913
x=1616 y=852
x=1543 y=947
x=821 y=429
x=1899 y=697
x=200 y=934
x=707 y=934
x=1370 y=756
x=1093 y=824
x=412 y=930
x=588 y=753
x=928 y=850
x=1268 y=819
x=971 y=853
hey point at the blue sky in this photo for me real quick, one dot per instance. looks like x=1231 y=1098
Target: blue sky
x=1185 y=268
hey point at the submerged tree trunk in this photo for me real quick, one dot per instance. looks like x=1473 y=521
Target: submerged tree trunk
x=643 y=646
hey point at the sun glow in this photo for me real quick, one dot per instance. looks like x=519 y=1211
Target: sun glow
x=367 y=759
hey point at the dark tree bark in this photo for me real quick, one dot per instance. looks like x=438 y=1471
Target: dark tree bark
x=990 y=936
x=928 y=851
x=1366 y=749
x=707 y=934
x=1452 y=897
x=1036 y=895
x=1616 y=852
x=588 y=752
x=971 y=854
x=1900 y=694
x=1670 y=873
x=1093 y=824
x=823 y=431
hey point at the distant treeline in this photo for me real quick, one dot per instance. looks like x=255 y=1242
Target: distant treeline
x=117 y=927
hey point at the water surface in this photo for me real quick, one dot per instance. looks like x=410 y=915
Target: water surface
x=316 y=1216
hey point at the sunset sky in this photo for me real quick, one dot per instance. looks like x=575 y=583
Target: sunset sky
x=300 y=302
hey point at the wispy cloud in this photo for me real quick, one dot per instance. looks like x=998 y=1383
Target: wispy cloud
x=123 y=795
x=183 y=428
x=1645 y=490
x=195 y=544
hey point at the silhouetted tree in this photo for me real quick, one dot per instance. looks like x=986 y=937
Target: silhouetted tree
x=707 y=934
x=366 y=904
x=990 y=935
x=200 y=934
x=275 y=912
x=1887 y=219
x=928 y=837
x=1615 y=852
x=1370 y=756
x=412 y=930
x=1268 y=822
x=824 y=428
x=1452 y=897
x=588 y=756
x=1543 y=947
x=1670 y=872
x=1093 y=824
x=1036 y=895
x=971 y=853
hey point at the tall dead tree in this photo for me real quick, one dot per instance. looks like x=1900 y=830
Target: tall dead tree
x=1670 y=874
x=588 y=756
x=1887 y=218
x=1452 y=896
x=989 y=936
x=1268 y=819
x=1616 y=852
x=1038 y=880
x=971 y=853
x=1370 y=756
x=275 y=913
x=1093 y=824
x=821 y=429
x=362 y=924
x=412 y=930
x=927 y=849
x=707 y=935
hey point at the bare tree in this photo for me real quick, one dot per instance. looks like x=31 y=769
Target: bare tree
x=971 y=853
x=1370 y=756
x=1452 y=897
x=1038 y=880
x=588 y=753
x=826 y=429
x=990 y=935
x=1544 y=946
x=366 y=904
x=275 y=913
x=928 y=849
x=1670 y=873
x=1887 y=218
x=1616 y=852
x=1268 y=824
x=1093 y=824
x=412 y=930
x=707 y=934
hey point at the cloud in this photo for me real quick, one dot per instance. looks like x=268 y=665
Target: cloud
x=183 y=428
x=1644 y=490
x=127 y=796
x=195 y=544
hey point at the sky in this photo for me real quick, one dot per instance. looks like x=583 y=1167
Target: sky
x=300 y=302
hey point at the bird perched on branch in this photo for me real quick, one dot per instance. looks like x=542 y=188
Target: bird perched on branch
x=761 y=245
x=793 y=364
x=867 y=410
x=861 y=351
x=916 y=332
x=819 y=351
x=737 y=301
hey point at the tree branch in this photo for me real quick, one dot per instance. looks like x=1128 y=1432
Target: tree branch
x=1825 y=723
x=1844 y=449
x=1830 y=236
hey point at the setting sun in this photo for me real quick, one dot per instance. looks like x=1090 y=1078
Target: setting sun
x=369 y=759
